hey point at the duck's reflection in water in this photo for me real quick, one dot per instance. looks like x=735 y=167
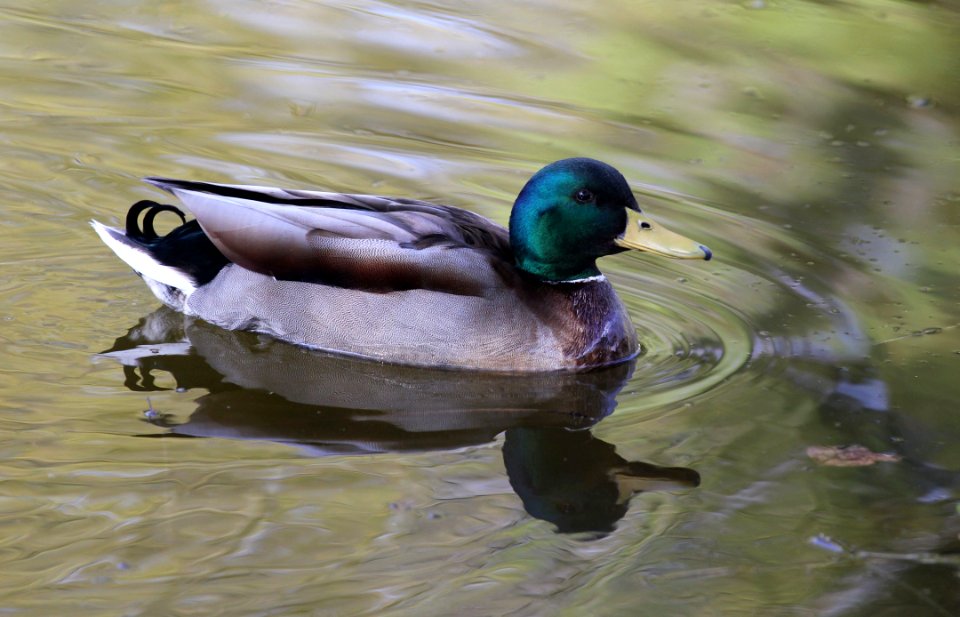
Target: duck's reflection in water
x=578 y=482
x=259 y=388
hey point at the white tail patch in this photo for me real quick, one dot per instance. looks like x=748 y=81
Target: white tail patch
x=142 y=262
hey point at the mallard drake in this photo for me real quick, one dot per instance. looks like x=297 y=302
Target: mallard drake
x=406 y=281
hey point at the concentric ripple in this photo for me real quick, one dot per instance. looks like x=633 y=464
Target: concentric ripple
x=690 y=341
x=700 y=323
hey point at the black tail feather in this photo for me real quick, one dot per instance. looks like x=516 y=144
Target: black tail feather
x=147 y=231
x=186 y=248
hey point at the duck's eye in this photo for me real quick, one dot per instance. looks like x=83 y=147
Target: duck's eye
x=583 y=196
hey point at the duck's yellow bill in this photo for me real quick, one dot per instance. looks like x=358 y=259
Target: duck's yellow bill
x=643 y=234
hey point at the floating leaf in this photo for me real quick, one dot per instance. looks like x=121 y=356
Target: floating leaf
x=849 y=456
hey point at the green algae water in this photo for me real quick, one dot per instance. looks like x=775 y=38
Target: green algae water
x=786 y=444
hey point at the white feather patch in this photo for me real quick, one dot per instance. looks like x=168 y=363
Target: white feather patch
x=141 y=261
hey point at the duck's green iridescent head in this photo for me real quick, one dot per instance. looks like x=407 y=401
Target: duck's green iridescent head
x=573 y=211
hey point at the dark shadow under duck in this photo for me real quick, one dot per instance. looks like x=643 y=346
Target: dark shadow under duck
x=330 y=405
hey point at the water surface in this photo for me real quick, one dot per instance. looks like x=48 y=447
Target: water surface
x=156 y=466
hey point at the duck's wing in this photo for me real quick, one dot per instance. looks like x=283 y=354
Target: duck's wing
x=357 y=241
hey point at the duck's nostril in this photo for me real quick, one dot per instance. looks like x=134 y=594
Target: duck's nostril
x=644 y=225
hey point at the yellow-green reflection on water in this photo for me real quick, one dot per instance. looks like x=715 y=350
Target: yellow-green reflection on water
x=812 y=145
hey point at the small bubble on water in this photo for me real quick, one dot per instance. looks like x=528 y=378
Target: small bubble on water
x=919 y=101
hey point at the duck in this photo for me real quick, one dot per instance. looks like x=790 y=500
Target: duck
x=404 y=281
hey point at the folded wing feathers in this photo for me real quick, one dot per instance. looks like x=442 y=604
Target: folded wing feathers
x=356 y=217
